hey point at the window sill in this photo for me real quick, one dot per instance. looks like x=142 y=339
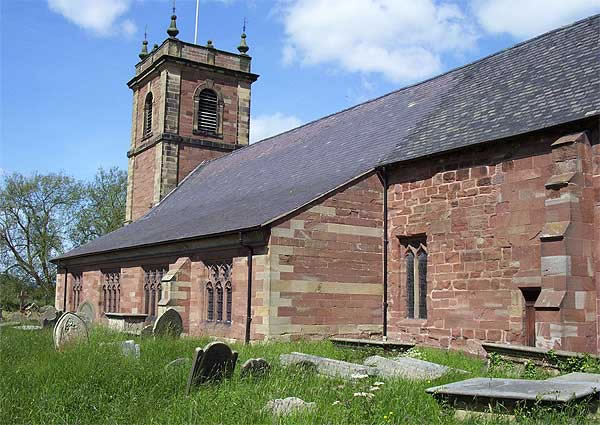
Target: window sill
x=146 y=136
x=218 y=323
x=412 y=322
x=207 y=134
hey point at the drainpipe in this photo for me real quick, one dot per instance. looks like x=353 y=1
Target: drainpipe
x=382 y=173
x=249 y=298
x=65 y=291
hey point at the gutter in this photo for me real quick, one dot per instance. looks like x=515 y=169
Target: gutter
x=249 y=290
x=383 y=177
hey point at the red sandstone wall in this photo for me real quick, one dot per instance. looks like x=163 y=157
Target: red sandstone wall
x=143 y=182
x=325 y=267
x=483 y=211
x=190 y=157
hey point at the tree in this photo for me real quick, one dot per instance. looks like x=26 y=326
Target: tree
x=103 y=206
x=36 y=214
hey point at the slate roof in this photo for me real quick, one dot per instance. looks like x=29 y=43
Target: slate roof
x=549 y=80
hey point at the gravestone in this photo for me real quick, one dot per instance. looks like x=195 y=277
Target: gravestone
x=214 y=363
x=255 y=367
x=288 y=405
x=69 y=328
x=480 y=393
x=147 y=330
x=87 y=312
x=169 y=324
x=407 y=368
x=130 y=348
x=49 y=317
x=326 y=366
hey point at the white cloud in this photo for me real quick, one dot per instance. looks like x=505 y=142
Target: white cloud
x=263 y=126
x=98 y=16
x=402 y=39
x=527 y=18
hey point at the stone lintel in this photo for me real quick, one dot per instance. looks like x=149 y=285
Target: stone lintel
x=175 y=138
x=560 y=180
x=579 y=137
x=554 y=231
x=549 y=299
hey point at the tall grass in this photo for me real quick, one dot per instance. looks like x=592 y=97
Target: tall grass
x=96 y=384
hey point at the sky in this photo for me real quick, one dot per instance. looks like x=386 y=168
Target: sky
x=65 y=106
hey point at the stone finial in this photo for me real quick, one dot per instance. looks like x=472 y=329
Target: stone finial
x=243 y=47
x=144 y=53
x=210 y=44
x=172 y=30
x=155 y=47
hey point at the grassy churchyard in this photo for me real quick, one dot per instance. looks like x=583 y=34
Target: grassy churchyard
x=95 y=383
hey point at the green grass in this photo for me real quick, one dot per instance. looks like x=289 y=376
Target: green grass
x=94 y=384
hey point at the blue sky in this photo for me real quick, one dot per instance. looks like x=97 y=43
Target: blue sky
x=65 y=105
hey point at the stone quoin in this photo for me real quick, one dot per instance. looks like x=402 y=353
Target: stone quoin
x=460 y=209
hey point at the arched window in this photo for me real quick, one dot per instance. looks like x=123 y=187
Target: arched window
x=415 y=256
x=219 y=303
x=208 y=112
x=228 y=305
x=148 y=115
x=111 y=289
x=153 y=288
x=210 y=300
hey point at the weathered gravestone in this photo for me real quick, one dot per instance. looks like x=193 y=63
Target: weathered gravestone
x=169 y=324
x=69 y=328
x=147 y=330
x=326 y=366
x=214 y=363
x=130 y=348
x=49 y=317
x=181 y=361
x=255 y=367
x=288 y=405
x=407 y=368
x=87 y=312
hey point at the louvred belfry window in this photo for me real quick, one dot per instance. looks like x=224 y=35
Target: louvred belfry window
x=415 y=257
x=148 y=115
x=219 y=292
x=111 y=291
x=208 y=118
x=153 y=289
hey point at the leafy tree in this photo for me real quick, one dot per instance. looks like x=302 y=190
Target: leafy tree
x=103 y=206
x=35 y=215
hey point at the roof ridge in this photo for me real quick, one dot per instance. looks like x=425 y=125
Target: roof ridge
x=499 y=52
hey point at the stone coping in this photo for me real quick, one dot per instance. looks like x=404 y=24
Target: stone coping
x=360 y=342
x=515 y=390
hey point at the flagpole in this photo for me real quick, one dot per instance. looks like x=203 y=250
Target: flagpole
x=196 y=26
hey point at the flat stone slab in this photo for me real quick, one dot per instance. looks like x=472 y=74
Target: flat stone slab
x=326 y=366
x=29 y=327
x=360 y=342
x=579 y=377
x=515 y=390
x=407 y=368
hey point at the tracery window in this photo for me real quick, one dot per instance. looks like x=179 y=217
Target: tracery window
x=153 y=288
x=76 y=290
x=148 y=115
x=219 y=287
x=111 y=291
x=415 y=257
x=207 y=113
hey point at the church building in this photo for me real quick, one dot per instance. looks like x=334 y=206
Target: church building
x=462 y=208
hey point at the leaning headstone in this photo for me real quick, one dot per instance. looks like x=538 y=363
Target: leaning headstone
x=69 y=328
x=130 y=348
x=286 y=406
x=407 y=368
x=49 y=317
x=181 y=361
x=214 y=363
x=147 y=330
x=87 y=312
x=326 y=366
x=169 y=324
x=255 y=367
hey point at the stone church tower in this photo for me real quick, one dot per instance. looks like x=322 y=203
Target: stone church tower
x=191 y=104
